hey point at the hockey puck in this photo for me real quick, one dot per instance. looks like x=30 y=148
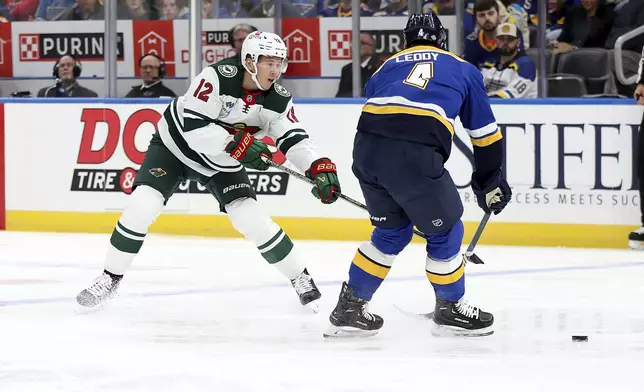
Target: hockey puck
x=579 y=338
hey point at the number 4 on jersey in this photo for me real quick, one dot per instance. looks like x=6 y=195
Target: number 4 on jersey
x=420 y=75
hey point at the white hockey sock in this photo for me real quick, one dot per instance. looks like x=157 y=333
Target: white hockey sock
x=273 y=243
x=144 y=206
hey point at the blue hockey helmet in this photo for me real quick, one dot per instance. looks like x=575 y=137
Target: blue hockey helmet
x=425 y=29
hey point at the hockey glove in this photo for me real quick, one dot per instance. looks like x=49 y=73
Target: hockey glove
x=249 y=151
x=327 y=185
x=493 y=196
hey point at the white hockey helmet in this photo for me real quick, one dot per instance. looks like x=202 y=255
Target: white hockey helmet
x=260 y=43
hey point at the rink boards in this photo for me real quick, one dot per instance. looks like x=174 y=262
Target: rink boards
x=68 y=167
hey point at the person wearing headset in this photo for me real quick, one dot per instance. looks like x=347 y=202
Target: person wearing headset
x=152 y=71
x=66 y=72
x=236 y=37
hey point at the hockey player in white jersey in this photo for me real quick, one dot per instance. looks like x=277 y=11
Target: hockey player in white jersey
x=210 y=135
x=513 y=74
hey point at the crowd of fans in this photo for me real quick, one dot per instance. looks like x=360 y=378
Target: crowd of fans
x=500 y=37
x=498 y=34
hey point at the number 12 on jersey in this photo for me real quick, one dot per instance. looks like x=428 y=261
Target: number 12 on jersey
x=420 y=75
x=203 y=90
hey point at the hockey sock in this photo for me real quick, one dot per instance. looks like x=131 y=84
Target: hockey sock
x=271 y=241
x=144 y=205
x=444 y=269
x=374 y=259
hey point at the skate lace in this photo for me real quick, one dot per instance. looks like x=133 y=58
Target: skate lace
x=467 y=310
x=365 y=312
x=101 y=286
x=303 y=283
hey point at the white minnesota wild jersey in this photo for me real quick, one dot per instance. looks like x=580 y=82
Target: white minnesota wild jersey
x=199 y=124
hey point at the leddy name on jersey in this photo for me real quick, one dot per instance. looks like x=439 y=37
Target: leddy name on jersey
x=419 y=56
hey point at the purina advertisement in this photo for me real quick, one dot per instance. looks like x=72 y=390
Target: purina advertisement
x=566 y=164
x=318 y=47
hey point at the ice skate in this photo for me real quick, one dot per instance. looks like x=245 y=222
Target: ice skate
x=461 y=319
x=636 y=239
x=307 y=291
x=351 y=317
x=104 y=288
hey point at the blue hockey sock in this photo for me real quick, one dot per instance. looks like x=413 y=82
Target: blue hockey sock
x=374 y=259
x=445 y=269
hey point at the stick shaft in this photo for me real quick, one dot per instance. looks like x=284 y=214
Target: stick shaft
x=308 y=180
x=478 y=233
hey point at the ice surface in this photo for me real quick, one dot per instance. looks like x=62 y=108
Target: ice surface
x=210 y=315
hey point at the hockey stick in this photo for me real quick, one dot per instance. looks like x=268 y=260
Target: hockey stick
x=308 y=180
x=469 y=255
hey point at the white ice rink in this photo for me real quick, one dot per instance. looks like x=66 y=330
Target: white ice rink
x=210 y=315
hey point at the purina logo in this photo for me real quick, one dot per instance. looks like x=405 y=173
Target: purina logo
x=339 y=44
x=48 y=47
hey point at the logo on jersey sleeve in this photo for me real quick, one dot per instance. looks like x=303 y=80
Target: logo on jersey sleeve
x=281 y=90
x=227 y=70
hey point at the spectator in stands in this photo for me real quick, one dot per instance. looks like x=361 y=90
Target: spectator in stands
x=629 y=14
x=441 y=7
x=174 y=9
x=370 y=62
x=66 y=70
x=343 y=9
x=517 y=15
x=266 y=9
x=236 y=8
x=307 y=8
x=21 y=10
x=206 y=9
x=53 y=9
x=586 y=25
x=136 y=10
x=394 y=8
x=481 y=46
x=85 y=10
x=636 y=238
x=512 y=74
x=152 y=71
x=237 y=35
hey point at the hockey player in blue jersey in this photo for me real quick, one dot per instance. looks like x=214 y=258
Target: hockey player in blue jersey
x=403 y=140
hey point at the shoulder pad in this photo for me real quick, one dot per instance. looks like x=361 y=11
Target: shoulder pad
x=277 y=98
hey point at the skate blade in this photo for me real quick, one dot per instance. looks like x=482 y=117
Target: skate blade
x=314 y=305
x=347 y=332
x=636 y=245
x=82 y=309
x=446 y=331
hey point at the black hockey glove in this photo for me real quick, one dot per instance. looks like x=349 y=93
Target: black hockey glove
x=493 y=196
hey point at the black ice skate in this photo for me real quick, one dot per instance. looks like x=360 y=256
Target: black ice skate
x=104 y=288
x=636 y=239
x=461 y=319
x=307 y=291
x=351 y=317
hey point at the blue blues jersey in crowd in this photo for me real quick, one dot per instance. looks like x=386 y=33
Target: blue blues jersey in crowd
x=417 y=94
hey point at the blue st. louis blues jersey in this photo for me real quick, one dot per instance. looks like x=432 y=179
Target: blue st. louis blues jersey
x=417 y=94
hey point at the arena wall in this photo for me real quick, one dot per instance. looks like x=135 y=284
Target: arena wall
x=68 y=166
